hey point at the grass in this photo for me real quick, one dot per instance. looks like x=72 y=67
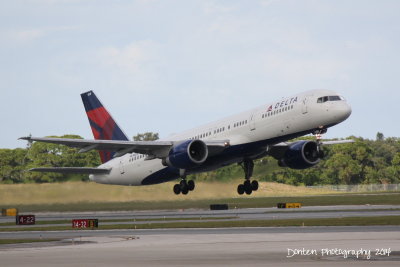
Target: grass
x=88 y=196
x=237 y=202
x=346 y=221
x=79 y=192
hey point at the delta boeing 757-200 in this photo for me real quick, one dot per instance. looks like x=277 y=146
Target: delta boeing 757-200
x=241 y=138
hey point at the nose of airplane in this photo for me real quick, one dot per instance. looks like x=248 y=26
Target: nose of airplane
x=343 y=111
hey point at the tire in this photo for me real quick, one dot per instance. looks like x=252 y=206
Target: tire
x=247 y=187
x=184 y=187
x=248 y=191
x=185 y=190
x=183 y=183
x=191 y=185
x=254 y=185
x=240 y=189
x=177 y=189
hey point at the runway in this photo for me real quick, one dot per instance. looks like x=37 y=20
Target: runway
x=232 y=214
x=266 y=246
x=332 y=246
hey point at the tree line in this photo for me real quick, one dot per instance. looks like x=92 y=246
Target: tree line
x=363 y=162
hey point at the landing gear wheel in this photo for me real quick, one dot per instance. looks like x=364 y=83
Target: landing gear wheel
x=183 y=183
x=247 y=187
x=254 y=185
x=185 y=191
x=177 y=189
x=184 y=187
x=240 y=189
x=190 y=185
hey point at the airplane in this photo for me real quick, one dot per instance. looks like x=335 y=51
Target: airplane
x=241 y=138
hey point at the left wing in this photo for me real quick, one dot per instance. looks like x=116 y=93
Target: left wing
x=154 y=149
x=80 y=170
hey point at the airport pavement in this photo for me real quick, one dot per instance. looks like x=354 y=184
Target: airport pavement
x=147 y=214
x=265 y=246
x=207 y=215
x=272 y=246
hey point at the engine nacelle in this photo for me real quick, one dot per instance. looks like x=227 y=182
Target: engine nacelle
x=301 y=155
x=187 y=154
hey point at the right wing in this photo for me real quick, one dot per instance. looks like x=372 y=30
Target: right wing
x=279 y=150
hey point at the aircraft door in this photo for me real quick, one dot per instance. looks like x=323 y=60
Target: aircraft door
x=304 y=108
x=121 y=166
x=252 y=122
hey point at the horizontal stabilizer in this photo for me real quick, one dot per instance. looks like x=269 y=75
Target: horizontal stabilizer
x=81 y=170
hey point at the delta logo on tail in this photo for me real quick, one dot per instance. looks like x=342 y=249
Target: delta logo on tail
x=103 y=125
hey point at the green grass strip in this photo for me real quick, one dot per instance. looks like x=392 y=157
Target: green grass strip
x=239 y=202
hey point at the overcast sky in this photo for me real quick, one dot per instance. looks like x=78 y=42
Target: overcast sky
x=167 y=66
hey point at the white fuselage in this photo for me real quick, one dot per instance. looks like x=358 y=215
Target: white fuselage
x=267 y=124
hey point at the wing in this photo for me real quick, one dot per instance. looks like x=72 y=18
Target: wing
x=278 y=150
x=154 y=149
x=80 y=170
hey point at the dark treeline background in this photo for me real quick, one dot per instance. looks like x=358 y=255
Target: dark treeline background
x=363 y=162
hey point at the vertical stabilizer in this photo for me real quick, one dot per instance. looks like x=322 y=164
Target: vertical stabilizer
x=102 y=123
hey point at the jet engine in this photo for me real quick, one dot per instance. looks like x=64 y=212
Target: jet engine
x=301 y=155
x=187 y=154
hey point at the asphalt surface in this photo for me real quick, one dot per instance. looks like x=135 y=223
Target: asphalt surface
x=227 y=215
x=272 y=246
x=261 y=246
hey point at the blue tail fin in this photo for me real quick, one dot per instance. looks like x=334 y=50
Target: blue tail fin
x=103 y=125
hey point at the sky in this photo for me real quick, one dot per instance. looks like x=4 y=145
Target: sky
x=170 y=65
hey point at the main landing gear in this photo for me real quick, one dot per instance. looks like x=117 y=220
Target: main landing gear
x=248 y=186
x=184 y=186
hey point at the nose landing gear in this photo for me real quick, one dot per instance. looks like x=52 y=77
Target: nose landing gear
x=318 y=136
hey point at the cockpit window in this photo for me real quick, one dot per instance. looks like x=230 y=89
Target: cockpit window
x=322 y=99
x=329 y=98
x=335 y=98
